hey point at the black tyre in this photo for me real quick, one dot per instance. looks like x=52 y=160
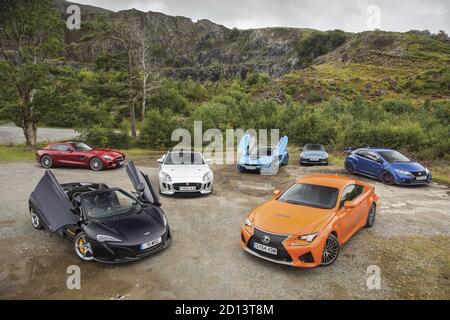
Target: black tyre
x=96 y=164
x=46 y=161
x=36 y=220
x=387 y=178
x=371 y=216
x=83 y=247
x=350 y=167
x=286 y=160
x=330 y=251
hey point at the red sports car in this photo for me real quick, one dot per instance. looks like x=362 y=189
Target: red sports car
x=79 y=154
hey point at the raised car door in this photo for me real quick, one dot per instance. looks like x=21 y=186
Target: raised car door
x=243 y=147
x=51 y=203
x=142 y=184
x=281 y=147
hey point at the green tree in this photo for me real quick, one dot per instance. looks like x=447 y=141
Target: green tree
x=31 y=37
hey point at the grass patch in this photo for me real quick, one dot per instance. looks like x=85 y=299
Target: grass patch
x=16 y=153
x=441 y=174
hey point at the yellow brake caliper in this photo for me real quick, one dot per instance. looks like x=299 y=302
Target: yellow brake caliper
x=82 y=248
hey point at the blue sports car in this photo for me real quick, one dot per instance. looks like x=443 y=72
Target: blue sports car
x=386 y=165
x=263 y=159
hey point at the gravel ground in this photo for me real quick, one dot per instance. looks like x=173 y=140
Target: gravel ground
x=10 y=134
x=409 y=242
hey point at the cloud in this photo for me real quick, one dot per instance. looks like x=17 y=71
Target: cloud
x=348 y=15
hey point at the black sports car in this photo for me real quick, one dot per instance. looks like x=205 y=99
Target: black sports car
x=105 y=224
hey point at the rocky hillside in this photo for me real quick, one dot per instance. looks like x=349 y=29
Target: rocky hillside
x=204 y=50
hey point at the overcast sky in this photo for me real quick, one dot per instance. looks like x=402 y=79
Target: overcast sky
x=348 y=15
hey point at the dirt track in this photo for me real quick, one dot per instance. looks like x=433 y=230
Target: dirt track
x=409 y=242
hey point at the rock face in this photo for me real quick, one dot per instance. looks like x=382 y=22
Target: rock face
x=204 y=50
x=201 y=50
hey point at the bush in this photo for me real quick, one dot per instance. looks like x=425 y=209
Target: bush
x=397 y=106
x=101 y=137
x=156 y=132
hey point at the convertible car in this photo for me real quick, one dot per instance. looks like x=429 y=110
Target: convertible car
x=79 y=154
x=386 y=165
x=185 y=172
x=104 y=224
x=305 y=225
x=262 y=159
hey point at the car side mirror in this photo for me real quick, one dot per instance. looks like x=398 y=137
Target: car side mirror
x=208 y=160
x=140 y=187
x=276 y=193
x=349 y=205
x=160 y=160
x=70 y=150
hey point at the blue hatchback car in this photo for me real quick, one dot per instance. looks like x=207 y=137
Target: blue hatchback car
x=386 y=165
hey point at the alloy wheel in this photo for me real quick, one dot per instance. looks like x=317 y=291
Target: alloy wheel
x=35 y=220
x=350 y=167
x=388 y=178
x=83 y=248
x=46 y=162
x=96 y=164
x=330 y=251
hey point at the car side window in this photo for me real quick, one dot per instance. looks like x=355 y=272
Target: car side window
x=362 y=153
x=372 y=156
x=55 y=147
x=350 y=193
x=63 y=147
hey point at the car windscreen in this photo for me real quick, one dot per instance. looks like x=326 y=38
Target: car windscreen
x=314 y=147
x=393 y=156
x=311 y=195
x=107 y=204
x=80 y=146
x=258 y=152
x=184 y=158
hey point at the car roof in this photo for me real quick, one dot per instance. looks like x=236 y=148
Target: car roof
x=375 y=149
x=329 y=180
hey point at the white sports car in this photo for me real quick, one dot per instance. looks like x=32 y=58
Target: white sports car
x=185 y=172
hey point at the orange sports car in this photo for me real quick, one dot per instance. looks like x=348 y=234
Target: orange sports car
x=305 y=225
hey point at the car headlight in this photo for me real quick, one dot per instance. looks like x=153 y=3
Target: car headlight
x=248 y=223
x=301 y=155
x=308 y=237
x=406 y=173
x=164 y=218
x=109 y=158
x=207 y=176
x=427 y=171
x=325 y=156
x=105 y=238
x=166 y=177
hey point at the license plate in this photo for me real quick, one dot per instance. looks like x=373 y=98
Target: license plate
x=421 y=178
x=121 y=163
x=193 y=188
x=264 y=248
x=150 y=244
x=250 y=168
x=314 y=159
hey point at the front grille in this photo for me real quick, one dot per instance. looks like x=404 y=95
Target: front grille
x=119 y=159
x=276 y=241
x=419 y=173
x=177 y=186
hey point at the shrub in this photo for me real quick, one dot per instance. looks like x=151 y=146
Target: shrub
x=157 y=129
